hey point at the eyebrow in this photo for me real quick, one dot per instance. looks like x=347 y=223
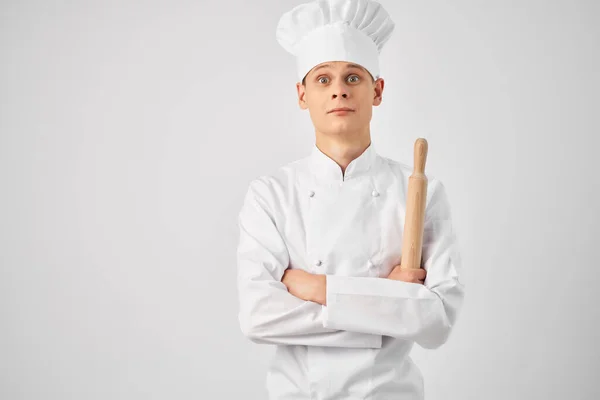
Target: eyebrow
x=347 y=66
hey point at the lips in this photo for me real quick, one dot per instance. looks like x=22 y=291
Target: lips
x=341 y=109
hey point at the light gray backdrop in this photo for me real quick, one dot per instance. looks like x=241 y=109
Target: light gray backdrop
x=129 y=133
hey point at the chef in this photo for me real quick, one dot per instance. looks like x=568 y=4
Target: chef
x=318 y=259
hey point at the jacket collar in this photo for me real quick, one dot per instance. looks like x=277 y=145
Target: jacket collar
x=326 y=169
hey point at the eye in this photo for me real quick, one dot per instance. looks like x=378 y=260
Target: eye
x=320 y=78
x=356 y=76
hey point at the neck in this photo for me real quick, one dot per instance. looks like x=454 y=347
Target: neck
x=343 y=149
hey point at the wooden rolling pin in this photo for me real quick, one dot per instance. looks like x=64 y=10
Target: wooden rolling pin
x=412 y=239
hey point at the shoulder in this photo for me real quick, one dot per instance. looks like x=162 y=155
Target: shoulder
x=278 y=180
x=401 y=172
x=272 y=189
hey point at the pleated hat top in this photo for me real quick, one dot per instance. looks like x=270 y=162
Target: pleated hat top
x=335 y=30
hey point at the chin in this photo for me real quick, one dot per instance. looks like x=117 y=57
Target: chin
x=340 y=129
x=345 y=124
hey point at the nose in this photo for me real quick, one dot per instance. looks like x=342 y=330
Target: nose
x=340 y=90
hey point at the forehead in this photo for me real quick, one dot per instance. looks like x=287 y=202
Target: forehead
x=328 y=66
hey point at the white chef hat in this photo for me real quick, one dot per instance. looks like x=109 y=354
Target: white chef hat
x=335 y=30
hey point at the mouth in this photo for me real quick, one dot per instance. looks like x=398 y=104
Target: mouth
x=340 y=110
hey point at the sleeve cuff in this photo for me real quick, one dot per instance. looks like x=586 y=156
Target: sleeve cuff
x=363 y=340
x=357 y=303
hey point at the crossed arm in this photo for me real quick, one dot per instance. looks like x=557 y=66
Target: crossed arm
x=281 y=306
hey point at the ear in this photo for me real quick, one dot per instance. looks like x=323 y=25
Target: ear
x=301 y=95
x=378 y=91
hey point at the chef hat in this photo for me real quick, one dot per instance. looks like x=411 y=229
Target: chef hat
x=335 y=30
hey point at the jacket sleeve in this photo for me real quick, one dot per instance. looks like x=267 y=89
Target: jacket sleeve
x=424 y=313
x=268 y=313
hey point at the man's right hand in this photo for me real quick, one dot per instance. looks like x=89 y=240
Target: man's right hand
x=416 y=275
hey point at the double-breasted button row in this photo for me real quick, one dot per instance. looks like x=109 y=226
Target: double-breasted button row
x=374 y=193
x=370 y=264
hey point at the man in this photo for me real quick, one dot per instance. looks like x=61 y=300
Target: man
x=320 y=238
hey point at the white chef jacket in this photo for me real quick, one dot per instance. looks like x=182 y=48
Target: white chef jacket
x=308 y=215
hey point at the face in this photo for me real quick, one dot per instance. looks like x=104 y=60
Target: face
x=337 y=84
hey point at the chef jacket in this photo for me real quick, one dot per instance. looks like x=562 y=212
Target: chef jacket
x=348 y=226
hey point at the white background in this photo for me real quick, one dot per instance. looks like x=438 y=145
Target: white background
x=130 y=130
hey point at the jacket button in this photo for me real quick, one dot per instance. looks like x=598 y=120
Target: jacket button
x=318 y=263
x=311 y=193
x=375 y=193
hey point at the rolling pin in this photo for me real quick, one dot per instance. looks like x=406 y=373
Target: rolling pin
x=412 y=239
